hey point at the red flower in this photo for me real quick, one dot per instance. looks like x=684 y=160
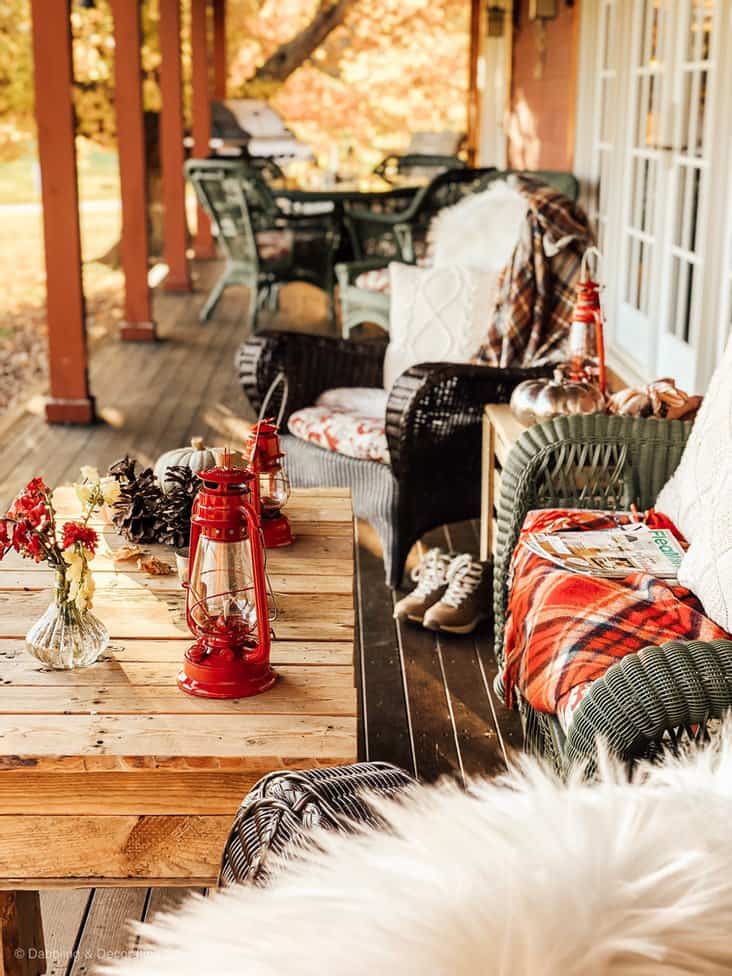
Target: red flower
x=21 y=531
x=38 y=515
x=76 y=532
x=37 y=487
x=33 y=548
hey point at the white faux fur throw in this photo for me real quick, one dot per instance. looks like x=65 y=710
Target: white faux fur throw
x=523 y=876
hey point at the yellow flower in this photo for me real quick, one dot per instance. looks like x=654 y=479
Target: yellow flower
x=110 y=490
x=88 y=473
x=84 y=493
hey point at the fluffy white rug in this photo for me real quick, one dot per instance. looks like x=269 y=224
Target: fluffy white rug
x=524 y=876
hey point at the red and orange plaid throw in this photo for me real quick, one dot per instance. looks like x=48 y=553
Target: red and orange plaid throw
x=564 y=630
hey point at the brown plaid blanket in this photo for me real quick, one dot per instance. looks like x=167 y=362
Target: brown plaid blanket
x=537 y=288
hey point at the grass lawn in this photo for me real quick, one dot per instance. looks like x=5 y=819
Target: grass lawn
x=22 y=300
x=98 y=175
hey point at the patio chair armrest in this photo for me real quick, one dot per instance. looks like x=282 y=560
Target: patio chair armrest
x=432 y=407
x=279 y=814
x=347 y=272
x=586 y=461
x=659 y=693
x=312 y=364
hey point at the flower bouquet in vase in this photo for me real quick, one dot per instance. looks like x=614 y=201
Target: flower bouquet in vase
x=68 y=635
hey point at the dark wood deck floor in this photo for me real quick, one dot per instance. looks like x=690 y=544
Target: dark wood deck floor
x=427 y=701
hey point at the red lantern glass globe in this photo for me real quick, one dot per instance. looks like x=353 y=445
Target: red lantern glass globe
x=226 y=604
x=273 y=485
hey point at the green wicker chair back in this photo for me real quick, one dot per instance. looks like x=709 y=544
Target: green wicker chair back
x=227 y=190
x=395 y=167
x=403 y=236
x=566 y=183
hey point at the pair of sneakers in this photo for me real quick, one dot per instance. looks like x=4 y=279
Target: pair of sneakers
x=453 y=593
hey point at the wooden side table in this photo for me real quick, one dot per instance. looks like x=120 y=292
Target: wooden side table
x=501 y=430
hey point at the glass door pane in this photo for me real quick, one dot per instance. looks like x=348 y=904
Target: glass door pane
x=688 y=165
x=645 y=178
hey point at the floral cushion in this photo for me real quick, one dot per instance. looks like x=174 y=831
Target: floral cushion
x=378 y=280
x=349 y=421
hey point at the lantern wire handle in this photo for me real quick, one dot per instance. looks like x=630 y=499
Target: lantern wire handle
x=281 y=378
x=584 y=270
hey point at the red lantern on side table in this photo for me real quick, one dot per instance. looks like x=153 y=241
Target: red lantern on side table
x=273 y=485
x=226 y=605
x=586 y=335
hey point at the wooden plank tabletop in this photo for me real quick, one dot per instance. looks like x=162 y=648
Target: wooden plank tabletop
x=110 y=774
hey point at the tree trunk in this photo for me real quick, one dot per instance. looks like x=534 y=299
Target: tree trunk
x=289 y=56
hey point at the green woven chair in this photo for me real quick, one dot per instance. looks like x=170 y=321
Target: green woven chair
x=378 y=239
x=245 y=212
x=649 y=701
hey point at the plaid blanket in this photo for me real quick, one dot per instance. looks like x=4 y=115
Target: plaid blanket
x=564 y=630
x=537 y=287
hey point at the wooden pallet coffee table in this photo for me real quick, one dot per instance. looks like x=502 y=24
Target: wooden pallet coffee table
x=112 y=776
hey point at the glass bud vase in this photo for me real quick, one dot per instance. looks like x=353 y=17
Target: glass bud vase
x=66 y=637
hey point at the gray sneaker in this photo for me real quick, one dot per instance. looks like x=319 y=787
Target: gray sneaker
x=467 y=599
x=431 y=579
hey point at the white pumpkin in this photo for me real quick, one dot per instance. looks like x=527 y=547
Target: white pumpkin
x=197 y=457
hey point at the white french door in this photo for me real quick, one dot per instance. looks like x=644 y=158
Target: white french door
x=658 y=173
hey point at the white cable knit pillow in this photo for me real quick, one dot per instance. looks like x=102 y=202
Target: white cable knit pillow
x=699 y=499
x=438 y=315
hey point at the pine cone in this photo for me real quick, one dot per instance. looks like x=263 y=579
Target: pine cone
x=136 y=510
x=143 y=513
x=174 y=514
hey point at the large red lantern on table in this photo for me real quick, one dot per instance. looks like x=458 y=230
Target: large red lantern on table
x=273 y=485
x=226 y=605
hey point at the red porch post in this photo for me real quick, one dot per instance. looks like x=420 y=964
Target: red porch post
x=473 y=95
x=175 y=229
x=138 y=322
x=219 y=45
x=203 y=242
x=70 y=400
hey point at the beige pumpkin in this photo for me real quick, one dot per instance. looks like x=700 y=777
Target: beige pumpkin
x=197 y=457
x=536 y=400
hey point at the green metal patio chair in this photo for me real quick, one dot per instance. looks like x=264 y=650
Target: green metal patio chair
x=395 y=168
x=648 y=701
x=265 y=245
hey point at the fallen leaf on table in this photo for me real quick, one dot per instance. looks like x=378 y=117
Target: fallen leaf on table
x=155 y=567
x=126 y=553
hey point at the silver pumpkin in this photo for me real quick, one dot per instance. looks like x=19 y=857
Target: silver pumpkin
x=536 y=400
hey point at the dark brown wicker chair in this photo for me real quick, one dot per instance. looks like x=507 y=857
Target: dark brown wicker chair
x=279 y=814
x=433 y=428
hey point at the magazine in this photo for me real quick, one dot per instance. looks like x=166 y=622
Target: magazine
x=612 y=553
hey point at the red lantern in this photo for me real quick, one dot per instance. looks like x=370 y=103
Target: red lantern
x=226 y=606
x=273 y=485
x=586 y=335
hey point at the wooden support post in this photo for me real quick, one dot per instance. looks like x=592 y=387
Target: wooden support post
x=219 y=45
x=473 y=93
x=203 y=242
x=138 y=323
x=175 y=229
x=70 y=400
x=22 y=950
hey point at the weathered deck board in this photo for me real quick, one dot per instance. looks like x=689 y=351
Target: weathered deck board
x=427 y=704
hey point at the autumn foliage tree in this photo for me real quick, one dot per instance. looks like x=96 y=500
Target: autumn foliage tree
x=360 y=73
